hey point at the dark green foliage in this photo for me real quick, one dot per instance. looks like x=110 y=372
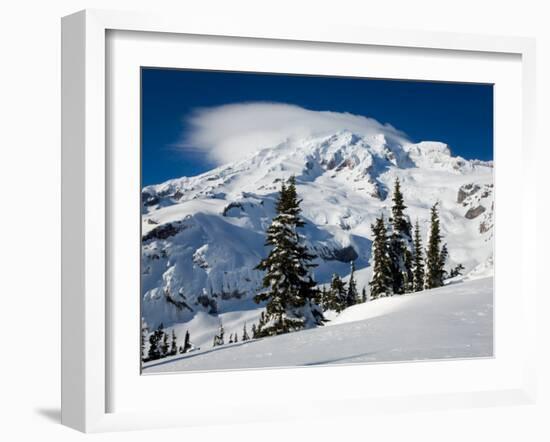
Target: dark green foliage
x=418 y=261
x=325 y=298
x=435 y=254
x=337 y=294
x=352 y=296
x=442 y=261
x=144 y=332
x=381 y=283
x=219 y=337
x=400 y=223
x=456 y=271
x=155 y=343
x=164 y=348
x=261 y=321
x=290 y=290
x=400 y=244
x=245 y=336
x=174 y=344
x=187 y=342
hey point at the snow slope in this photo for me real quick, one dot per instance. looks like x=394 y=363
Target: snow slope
x=202 y=236
x=449 y=322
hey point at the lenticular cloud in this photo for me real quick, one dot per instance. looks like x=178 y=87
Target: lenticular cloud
x=234 y=131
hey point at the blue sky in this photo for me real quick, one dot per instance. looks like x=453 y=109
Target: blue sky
x=458 y=114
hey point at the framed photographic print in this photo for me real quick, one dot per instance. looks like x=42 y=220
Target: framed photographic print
x=249 y=209
x=277 y=207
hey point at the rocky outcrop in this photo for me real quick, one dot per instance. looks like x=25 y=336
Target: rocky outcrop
x=345 y=254
x=164 y=231
x=474 y=212
x=466 y=191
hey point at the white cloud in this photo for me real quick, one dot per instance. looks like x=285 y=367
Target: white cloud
x=234 y=131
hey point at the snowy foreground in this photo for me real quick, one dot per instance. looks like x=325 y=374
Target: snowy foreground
x=455 y=321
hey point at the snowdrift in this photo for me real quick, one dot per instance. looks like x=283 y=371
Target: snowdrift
x=455 y=321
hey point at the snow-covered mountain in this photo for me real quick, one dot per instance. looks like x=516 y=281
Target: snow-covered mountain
x=202 y=236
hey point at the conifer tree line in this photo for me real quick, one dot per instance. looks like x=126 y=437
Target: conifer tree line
x=400 y=263
x=161 y=344
x=292 y=296
x=219 y=337
x=341 y=295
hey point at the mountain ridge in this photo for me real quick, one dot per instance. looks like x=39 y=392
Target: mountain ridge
x=202 y=236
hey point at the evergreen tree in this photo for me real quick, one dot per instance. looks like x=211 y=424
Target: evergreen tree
x=219 y=338
x=352 y=296
x=187 y=342
x=155 y=343
x=456 y=271
x=381 y=283
x=337 y=294
x=221 y=334
x=418 y=261
x=254 y=331
x=174 y=346
x=435 y=255
x=442 y=261
x=245 y=336
x=324 y=298
x=400 y=244
x=261 y=323
x=231 y=338
x=399 y=221
x=165 y=346
x=364 y=295
x=144 y=332
x=290 y=290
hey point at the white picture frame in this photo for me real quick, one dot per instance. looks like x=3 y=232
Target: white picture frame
x=86 y=315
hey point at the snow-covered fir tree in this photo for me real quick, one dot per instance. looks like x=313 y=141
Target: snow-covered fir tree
x=219 y=337
x=436 y=255
x=187 y=342
x=245 y=336
x=165 y=346
x=418 y=260
x=324 y=298
x=336 y=295
x=352 y=296
x=400 y=247
x=443 y=256
x=144 y=333
x=155 y=343
x=381 y=283
x=290 y=291
x=456 y=271
x=174 y=344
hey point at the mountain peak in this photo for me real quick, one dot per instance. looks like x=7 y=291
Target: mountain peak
x=345 y=156
x=206 y=233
